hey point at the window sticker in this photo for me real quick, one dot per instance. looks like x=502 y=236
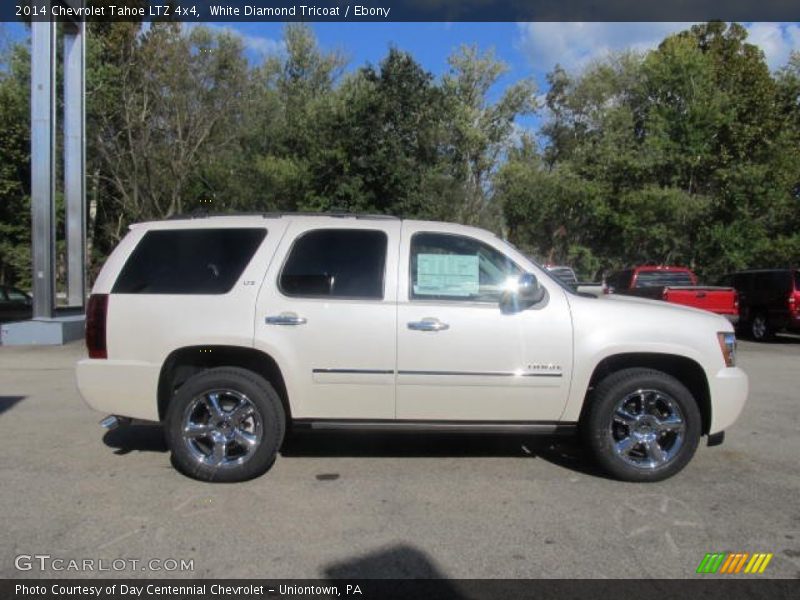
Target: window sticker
x=447 y=275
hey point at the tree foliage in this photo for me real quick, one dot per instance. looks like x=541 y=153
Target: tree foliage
x=687 y=154
x=15 y=215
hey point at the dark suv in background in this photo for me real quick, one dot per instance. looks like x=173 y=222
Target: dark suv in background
x=769 y=300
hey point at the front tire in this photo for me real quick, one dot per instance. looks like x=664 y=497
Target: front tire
x=642 y=425
x=225 y=424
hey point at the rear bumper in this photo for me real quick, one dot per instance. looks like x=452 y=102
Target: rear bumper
x=120 y=387
x=729 y=389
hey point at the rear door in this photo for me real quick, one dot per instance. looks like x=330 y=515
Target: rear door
x=327 y=314
x=459 y=356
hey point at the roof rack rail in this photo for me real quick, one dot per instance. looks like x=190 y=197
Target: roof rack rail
x=203 y=214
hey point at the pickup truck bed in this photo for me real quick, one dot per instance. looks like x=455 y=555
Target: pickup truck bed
x=676 y=285
x=720 y=300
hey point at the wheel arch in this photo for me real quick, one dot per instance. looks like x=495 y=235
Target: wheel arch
x=183 y=363
x=686 y=370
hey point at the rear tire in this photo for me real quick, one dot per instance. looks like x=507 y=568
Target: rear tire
x=760 y=329
x=225 y=424
x=642 y=425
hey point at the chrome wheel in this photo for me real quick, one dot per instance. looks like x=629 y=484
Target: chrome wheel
x=647 y=429
x=759 y=327
x=222 y=428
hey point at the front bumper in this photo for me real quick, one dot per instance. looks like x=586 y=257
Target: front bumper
x=729 y=389
x=120 y=387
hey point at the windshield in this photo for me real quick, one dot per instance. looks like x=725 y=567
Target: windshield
x=662 y=278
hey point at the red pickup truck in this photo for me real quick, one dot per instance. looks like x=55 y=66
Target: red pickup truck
x=677 y=285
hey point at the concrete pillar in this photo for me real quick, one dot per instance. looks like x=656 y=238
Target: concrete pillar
x=43 y=163
x=75 y=160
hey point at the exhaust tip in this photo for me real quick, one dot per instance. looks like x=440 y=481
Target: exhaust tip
x=113 y=421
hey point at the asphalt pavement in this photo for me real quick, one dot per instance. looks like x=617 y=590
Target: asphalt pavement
x=358 y=505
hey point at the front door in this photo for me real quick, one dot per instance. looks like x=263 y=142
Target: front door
x=459 y=356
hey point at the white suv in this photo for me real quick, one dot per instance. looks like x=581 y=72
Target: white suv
x=230 y=329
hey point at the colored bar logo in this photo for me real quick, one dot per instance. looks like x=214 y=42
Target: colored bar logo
x=731 y=563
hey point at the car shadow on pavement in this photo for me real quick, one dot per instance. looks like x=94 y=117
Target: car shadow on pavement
x=785 y=338
x=136 y=437
x=563 y=451
x=779 y=339
x=7 y=402
x=396 y=562
x=392 y=573
x=558 y=450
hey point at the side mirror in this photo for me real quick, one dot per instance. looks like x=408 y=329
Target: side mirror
x=527 y=293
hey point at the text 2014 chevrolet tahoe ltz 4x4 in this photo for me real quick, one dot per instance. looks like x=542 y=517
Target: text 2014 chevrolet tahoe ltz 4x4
x=231 y=329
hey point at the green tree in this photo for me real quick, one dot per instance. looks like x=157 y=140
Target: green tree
x=689 y=151
x=177 y=102
x=480 y=131
x=382 y=140
x=294 y=106
x=15 y=212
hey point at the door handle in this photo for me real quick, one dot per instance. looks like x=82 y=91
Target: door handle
x=285 y=319
x=428 y=324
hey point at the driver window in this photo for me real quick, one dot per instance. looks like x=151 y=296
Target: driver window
x=454 y=267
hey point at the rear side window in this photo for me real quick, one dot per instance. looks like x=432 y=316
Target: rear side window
x=726 y=281
x=620 y=280
x=763 y=281
x=188 y=261
x=782 y=281
x=662 y=278
x=336 y=263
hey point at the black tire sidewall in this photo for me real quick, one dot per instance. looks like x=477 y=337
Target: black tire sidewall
x=604 y=399
x=263 y=397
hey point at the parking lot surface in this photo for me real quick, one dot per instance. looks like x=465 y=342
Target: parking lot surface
x=349 y=505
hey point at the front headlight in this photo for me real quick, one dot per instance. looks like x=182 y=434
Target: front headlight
x=727 y=343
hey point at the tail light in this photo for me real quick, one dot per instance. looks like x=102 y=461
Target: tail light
x=736 y=301
x=96 y=312
x=794 y=305
x=727 y=344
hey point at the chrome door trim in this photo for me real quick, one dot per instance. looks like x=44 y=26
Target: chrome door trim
x=356 y=371
x=482 y=373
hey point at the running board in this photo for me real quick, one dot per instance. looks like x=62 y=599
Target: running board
x=518 y=427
